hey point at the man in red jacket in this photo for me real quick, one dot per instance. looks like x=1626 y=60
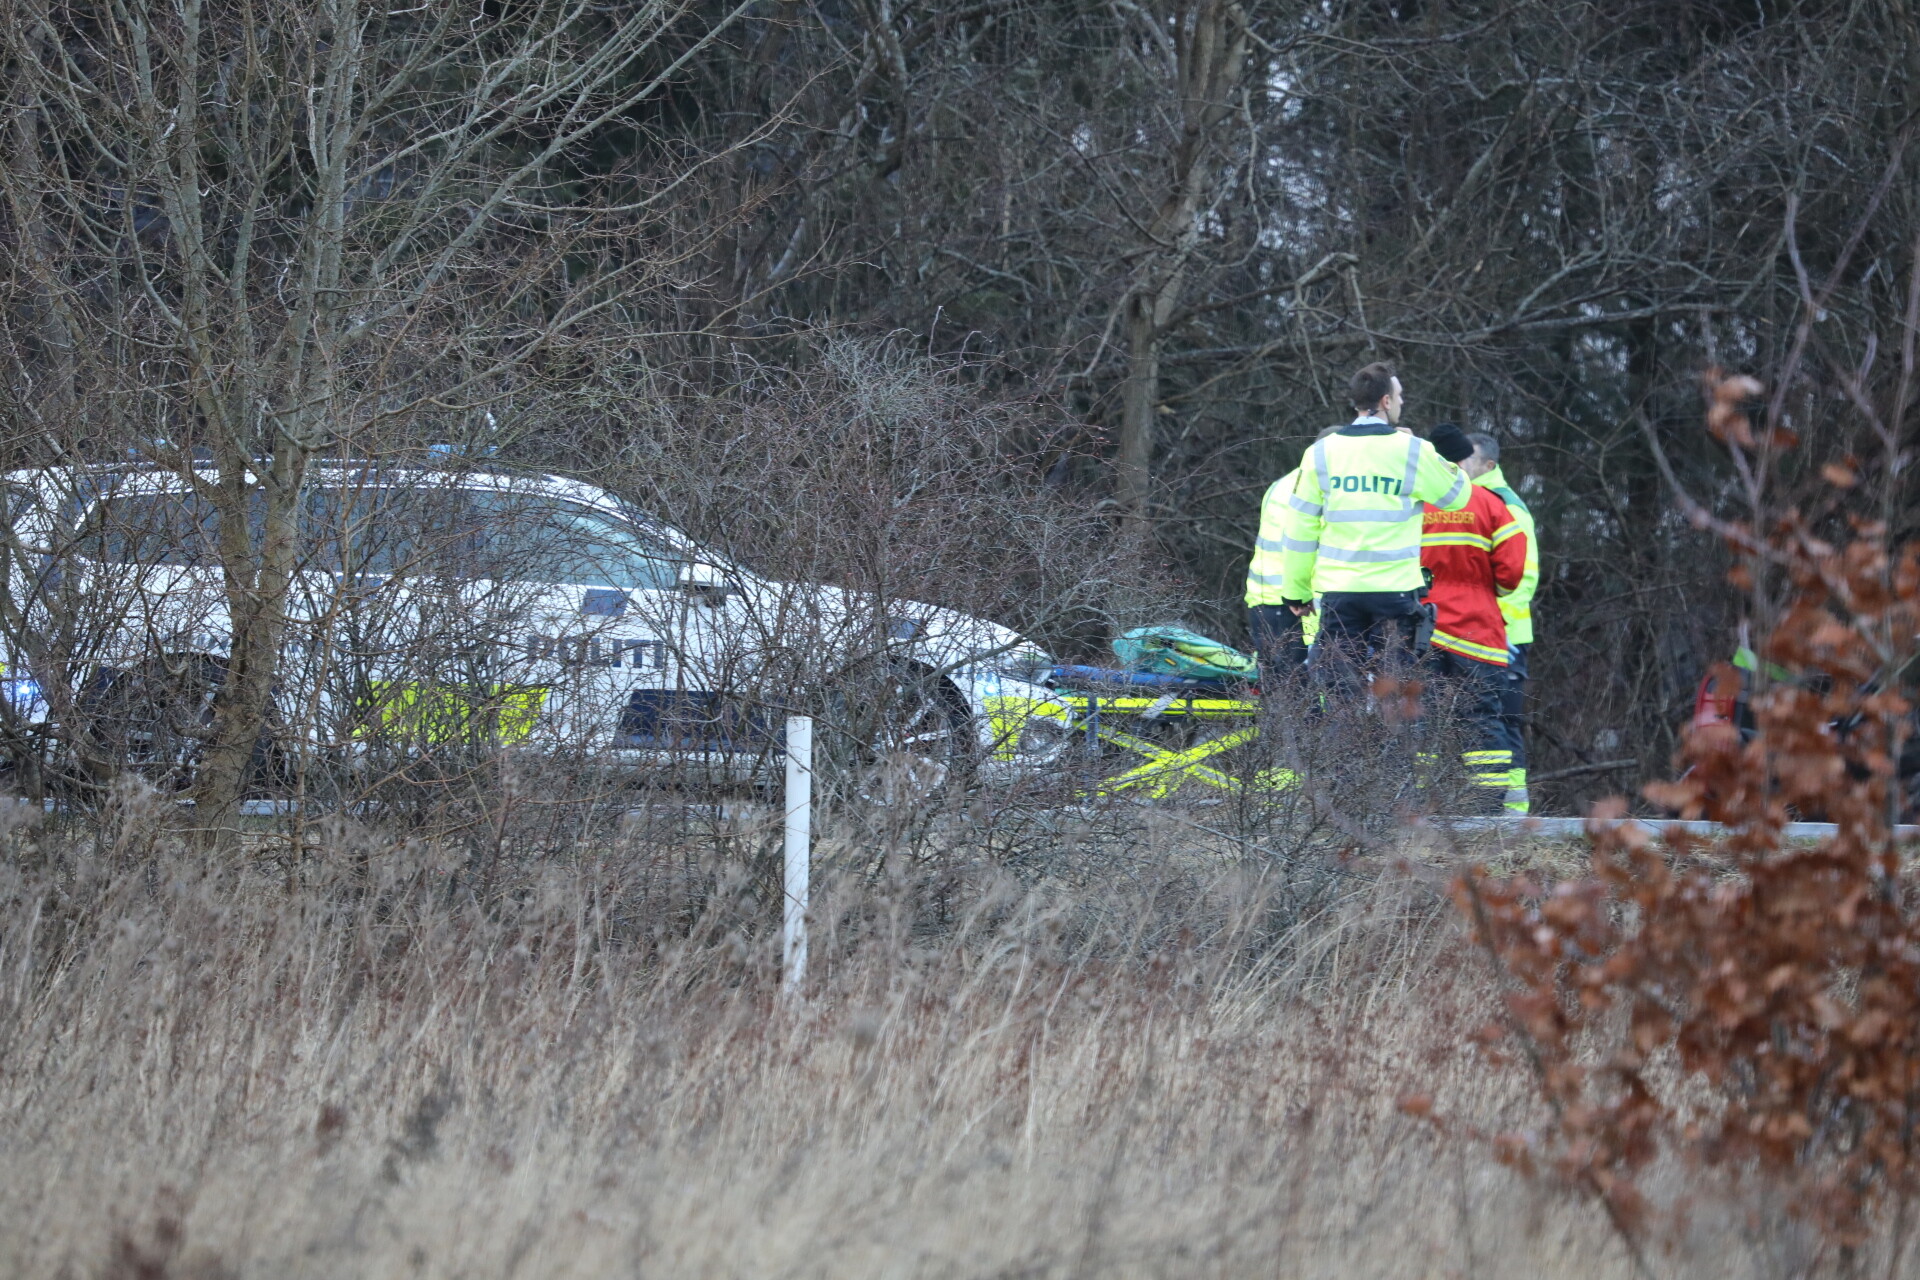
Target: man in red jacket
x=1475 y=555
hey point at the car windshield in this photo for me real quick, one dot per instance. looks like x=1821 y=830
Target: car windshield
x=413 y=532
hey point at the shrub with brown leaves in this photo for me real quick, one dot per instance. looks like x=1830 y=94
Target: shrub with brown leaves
x=1782 y=977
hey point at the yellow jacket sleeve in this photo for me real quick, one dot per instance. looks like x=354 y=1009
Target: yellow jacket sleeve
x=1522 y=595
x=1263 y=571
x=1440 y=482
x=1300 y=535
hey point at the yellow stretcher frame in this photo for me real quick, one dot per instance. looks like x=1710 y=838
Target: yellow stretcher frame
x=1162 y=769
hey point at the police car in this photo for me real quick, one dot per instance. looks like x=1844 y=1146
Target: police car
x=435 y=606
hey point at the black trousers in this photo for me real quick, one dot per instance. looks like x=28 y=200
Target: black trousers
x=1513 y=705
x=1372 y=630
x=1477 y=691
x=1277 y=641
x=1370 y=622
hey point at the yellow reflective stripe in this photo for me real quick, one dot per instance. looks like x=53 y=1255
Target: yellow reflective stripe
x=1467 y=648
x=1199 y=708
x=1488 y=768
x=1456 y=540
x=1372 y=515
x=1506 y=531
x=500 y=714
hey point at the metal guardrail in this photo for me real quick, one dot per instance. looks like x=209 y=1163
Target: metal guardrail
x=1652 y=826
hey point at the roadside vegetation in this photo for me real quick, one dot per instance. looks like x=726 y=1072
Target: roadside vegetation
x=330 y=947
x=1178 y=1066
x=533 y=1023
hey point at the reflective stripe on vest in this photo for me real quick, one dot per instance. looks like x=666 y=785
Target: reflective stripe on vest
x=1383 y=555
x=1265 y=573
x=1456 y=539
x=1468 y=649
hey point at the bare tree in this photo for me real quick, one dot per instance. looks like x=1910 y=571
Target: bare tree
x=1200 y=48
x=247 y=233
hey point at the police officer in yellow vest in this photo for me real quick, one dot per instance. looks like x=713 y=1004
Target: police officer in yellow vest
x=1280 y=636
x=1350 y=530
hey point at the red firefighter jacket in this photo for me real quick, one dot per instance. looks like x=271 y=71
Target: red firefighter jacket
x=1477 y=554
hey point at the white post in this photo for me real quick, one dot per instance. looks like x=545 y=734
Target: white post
x=799 y=863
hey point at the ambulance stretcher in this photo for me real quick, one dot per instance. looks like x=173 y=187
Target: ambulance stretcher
x=1162 y=732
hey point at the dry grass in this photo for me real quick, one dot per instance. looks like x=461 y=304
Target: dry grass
x=375 y=1075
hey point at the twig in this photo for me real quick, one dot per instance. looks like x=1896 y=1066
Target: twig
x=1604 y=766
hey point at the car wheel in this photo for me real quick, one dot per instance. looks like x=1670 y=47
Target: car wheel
x=899 y=739
x=156 y=720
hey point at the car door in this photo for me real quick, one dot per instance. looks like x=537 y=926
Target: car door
x=614 y=638
x=424 y=616
x=364 y=637
x=146 y=575
x=453 y=610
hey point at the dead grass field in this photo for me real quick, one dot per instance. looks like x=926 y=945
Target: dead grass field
x=368 y=1072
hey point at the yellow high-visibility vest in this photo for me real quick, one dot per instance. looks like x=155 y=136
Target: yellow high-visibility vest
x=1263 y=575
x=1265 y=588
x=1352 y=519
x=1517 y=605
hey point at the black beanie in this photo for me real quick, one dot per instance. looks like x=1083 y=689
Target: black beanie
x=1451 y=442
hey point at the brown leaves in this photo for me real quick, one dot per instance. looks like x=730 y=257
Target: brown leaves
x=1787 y=977
x=1398 y=700
x=1515 y=1150
x=1652 y=1027
x=1725 y=420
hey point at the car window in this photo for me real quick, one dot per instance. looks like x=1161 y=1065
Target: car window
x=151 y=528
x=386 y=532
x=155 y=528
x=537 y=539
x=413 y=532
x=484 y=534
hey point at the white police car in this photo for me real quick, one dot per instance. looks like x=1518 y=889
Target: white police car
x=431 y=606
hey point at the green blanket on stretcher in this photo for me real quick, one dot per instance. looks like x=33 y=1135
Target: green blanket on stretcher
x=1175 y=651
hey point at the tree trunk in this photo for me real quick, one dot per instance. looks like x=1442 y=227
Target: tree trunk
x=258 y=582
x=39 y=253
x=1209 y=44
x=1140 y=395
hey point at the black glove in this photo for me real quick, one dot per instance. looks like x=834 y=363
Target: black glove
x=1450 y=441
